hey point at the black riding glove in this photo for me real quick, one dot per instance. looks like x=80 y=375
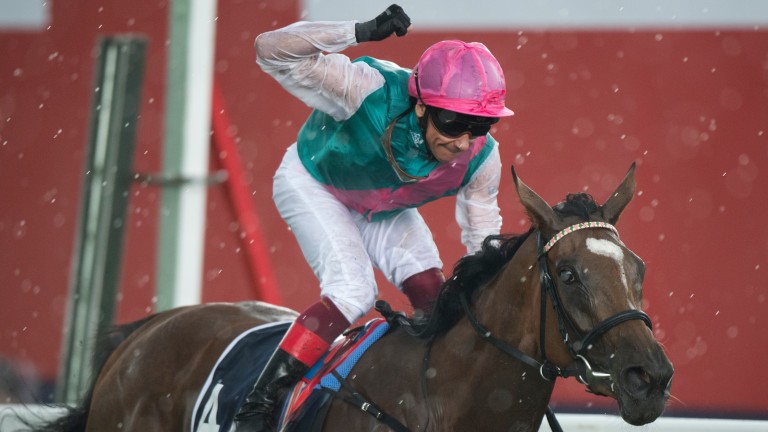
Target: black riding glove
x=393 y=20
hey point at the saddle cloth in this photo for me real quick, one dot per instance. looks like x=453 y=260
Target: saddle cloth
x=240 y=364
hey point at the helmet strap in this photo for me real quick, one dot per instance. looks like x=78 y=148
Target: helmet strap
x=422 y=121
x=416 y=81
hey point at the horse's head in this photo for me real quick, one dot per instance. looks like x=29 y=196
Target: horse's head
x=594 y=284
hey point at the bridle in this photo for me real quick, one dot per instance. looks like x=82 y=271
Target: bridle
x=577 y=347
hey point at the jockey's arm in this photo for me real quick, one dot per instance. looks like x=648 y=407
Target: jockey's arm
x=477 y=209
x=294 y=56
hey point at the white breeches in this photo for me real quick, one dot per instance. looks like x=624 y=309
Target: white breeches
x=342 y=246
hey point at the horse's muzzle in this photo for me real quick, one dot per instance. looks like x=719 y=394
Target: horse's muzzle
x=643 y=391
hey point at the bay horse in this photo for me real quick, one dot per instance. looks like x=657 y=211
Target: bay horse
x=561 y=300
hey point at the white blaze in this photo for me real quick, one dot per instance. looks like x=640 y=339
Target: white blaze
x=611 y=250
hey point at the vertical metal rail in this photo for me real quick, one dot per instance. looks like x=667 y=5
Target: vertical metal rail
x=99 y=240
x=186 y=153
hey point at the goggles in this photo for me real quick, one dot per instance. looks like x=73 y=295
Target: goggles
x=452 y=124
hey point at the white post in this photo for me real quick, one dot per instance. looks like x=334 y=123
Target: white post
x=186 y=150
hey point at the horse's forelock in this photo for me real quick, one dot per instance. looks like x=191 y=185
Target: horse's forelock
x=580 y=204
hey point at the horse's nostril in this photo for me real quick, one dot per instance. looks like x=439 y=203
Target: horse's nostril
x=637 y=380
x=644 y=376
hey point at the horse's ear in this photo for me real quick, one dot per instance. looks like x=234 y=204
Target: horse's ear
x=620 y=197
x=541 y=214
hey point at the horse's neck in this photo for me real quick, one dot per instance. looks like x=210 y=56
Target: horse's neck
x=508 y=305
x=495 y=385
x=475 y=386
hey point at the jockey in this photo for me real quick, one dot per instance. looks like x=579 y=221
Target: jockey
x=381 y=141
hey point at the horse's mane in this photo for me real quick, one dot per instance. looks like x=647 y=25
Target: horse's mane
x=475 y=270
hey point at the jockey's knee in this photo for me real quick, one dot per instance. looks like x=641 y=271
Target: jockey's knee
x=353 y=305
x=422 y=289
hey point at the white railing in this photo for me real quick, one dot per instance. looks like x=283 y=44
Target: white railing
x=34 y=414
x=612 y=423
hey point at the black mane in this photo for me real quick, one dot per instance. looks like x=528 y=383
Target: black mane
x=474 y=271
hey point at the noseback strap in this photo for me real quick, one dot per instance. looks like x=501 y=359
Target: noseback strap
x=576 y=227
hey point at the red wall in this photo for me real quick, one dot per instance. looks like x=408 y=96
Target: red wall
x=688 y=106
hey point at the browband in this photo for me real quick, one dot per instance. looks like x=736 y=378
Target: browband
x=576 y=227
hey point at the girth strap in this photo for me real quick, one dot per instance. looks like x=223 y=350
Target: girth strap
x=356 y=399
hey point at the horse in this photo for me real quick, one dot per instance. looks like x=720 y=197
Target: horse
x=560 y=300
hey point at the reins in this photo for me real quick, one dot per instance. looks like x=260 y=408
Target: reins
x=547 y=370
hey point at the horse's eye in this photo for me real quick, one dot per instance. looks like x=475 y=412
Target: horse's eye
x=567 y=275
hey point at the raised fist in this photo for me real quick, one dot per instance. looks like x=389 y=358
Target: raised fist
x=393 y=20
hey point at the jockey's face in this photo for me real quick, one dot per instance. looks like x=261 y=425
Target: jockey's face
x=444 y=148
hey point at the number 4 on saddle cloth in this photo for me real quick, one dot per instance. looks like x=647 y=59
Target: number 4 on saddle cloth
x=306 y=405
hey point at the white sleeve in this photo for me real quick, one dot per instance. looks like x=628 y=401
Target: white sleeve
x=477 y=210
x=293 y=56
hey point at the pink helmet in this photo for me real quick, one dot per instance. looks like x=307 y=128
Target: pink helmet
x=462 y=77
